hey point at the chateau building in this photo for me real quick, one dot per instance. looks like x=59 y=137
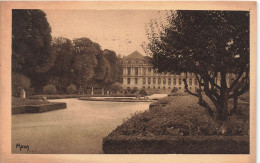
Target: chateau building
x=138 y=73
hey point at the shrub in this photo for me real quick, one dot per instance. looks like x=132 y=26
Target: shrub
x=134 y=90
x=29 y=91
x=142 y=92
x=174 y=90
x=128 y=90
x=183 y=116
x=49 y=89
x=71 y=89
x=165 y=101
x=169 y=121
x=235 y=126
x=20 y=82
x=116 y=87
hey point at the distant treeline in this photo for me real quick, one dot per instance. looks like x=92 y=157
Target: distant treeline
x=42 y=63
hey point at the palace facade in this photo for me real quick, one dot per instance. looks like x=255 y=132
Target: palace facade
x=138 y=73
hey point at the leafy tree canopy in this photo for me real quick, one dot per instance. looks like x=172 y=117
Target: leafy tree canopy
x=209 y=44
x=31 y=44
x=116 y=67
x=85 y=60
x=61 y=74
x=58 y=61
x=93 y=66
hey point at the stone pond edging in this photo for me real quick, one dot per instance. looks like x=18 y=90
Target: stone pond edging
x=176 y=145
x=38 y=108
x=114 y=99
x=73 y=96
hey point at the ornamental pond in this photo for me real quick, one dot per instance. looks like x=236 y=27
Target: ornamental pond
x=79 y=129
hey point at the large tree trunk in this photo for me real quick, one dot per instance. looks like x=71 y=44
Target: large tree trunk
x=201 y=102
x=204 y=104
x=221 y=103
x=222 y=110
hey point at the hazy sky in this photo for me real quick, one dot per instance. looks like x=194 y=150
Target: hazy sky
x=120 y=30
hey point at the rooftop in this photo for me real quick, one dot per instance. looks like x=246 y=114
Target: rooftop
x=135 y=55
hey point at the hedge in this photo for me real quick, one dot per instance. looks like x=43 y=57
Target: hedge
x=176 y=145
x=38 y=108
x=75 y=96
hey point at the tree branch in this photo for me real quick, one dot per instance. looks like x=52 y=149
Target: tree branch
x=242 y=91
x=204 y=104
x=201 y=102
x=237 y=79
x=212 y=82
x=209 y=93
x=187 y=89
x=212 y=89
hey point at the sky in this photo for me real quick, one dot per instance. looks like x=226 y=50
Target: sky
x=122 y=31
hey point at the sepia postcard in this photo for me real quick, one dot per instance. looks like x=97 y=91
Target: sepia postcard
x=147 y=81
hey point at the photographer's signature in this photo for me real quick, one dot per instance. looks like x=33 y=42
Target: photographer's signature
x=20 y=146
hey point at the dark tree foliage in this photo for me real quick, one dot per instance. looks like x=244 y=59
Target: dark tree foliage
x=116 y=87
x=85 y=60
x=101 y=68
x=31 y=44
x=116 y=67
x=210 y=44
x=142 y=92
x=20 y=82
x=58 y=61
x=61 y=74
x=102 y=71
x=93 y=67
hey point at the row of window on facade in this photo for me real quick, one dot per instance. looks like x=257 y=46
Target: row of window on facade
x=136 y=71
x=164 y=81
x=149 y=87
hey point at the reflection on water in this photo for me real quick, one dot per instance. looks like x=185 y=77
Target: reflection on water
x=77 y=129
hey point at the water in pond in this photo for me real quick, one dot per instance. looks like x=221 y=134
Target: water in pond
x=77 y=129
